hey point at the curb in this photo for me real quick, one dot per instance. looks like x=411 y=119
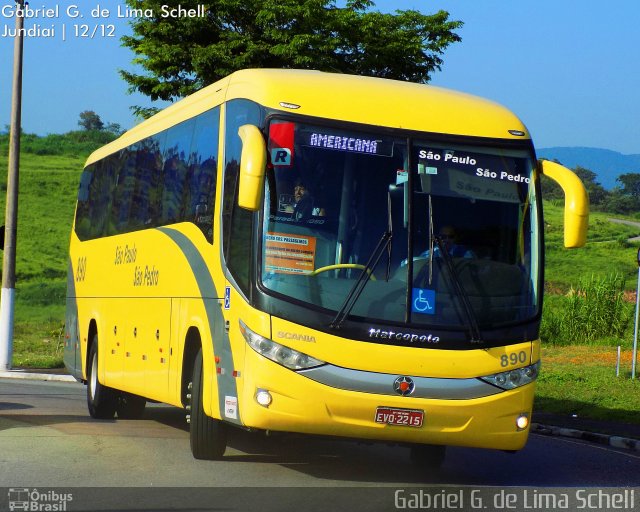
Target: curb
x=625 y=443
x=25 y=375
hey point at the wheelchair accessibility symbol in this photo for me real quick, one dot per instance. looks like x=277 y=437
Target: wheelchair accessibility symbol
x=423 y=301
x=227 y=297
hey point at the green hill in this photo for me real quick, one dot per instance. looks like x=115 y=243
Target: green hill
x=607 y=164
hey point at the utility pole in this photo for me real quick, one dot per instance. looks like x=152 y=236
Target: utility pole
x=7 y=297
x=635 y=330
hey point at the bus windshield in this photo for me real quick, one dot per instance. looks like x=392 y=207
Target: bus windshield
x=445 y=234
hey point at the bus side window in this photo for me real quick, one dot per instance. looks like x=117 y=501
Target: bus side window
x=123 y=194
x=146 y=198
x=82 y=223
x=174 y=175
x=237 y=222
x=200 y=188
x=100 y=192
x=166 y=178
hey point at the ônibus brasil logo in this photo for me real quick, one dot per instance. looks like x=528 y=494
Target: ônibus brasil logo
x=32 y=500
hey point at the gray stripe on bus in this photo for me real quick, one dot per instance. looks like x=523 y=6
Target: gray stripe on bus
x=209 y=293
x=71 y=354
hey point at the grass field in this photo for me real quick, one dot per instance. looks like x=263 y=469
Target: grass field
x=581 y=380
x=46 y=202
x=607 y=251
x=577 y=377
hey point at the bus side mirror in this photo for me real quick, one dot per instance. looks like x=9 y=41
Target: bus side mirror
x=576 y=202
x=253 y=161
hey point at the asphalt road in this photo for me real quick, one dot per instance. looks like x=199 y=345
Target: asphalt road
x=48 y=440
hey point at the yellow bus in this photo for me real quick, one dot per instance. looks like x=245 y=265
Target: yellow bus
x=317 y=253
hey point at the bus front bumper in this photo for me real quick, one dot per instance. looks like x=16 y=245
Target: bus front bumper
x=298 y=403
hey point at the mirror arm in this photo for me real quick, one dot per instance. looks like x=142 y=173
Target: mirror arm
x=253 y=162
x=576 y=202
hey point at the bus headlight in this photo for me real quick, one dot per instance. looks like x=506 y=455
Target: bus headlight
x=280 y=354
x=514 y=378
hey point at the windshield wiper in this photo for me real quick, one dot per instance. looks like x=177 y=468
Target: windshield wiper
x=363 y=279
x=472 y=321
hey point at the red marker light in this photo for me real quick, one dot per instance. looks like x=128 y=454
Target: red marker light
x=281 y=138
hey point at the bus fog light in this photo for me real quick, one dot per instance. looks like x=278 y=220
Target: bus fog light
x=522 y=422
x=264 y=398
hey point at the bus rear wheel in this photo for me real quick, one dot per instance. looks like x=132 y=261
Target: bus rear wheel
x=208 y=435
x=101 y=400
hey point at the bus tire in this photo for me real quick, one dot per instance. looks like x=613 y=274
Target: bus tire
x=208 y=435
x=130 y=407
x=428 y=457
x=101 y=400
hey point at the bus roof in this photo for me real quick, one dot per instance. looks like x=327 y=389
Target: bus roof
x=358 y=99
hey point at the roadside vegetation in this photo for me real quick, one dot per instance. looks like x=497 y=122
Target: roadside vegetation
x=589 y=292
x=49 y=172
x=588 y=312
x=579 y=381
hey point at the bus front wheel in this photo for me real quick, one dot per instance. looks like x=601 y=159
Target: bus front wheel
x=208 y=435
x=101 y=400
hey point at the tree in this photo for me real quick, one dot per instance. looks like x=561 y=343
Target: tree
x=114 y=128
x=597 y=193
x=625 y=198
x=181 y=55
x=90 y=121
x=550 y=188
x=630 y=184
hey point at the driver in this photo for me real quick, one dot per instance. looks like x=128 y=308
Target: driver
x=303 y=208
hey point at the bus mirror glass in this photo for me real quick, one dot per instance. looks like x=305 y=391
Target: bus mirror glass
x=253 y=162
x=576 y=202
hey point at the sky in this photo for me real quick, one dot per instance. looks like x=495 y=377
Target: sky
x=568 y=68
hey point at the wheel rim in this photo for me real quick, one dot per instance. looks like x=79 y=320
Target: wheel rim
x=93 y=382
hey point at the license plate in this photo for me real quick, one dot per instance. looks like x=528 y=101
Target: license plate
x=402 y=417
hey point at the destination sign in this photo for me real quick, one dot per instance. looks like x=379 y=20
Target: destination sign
x=347 y=142
x=492 y=167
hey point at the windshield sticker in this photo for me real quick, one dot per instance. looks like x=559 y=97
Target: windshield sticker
x=401 y=176
x=281 y=157
x=467 y=185
x=424 y=169
x=423 y=301
x=289 y=254
x=281 y=136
